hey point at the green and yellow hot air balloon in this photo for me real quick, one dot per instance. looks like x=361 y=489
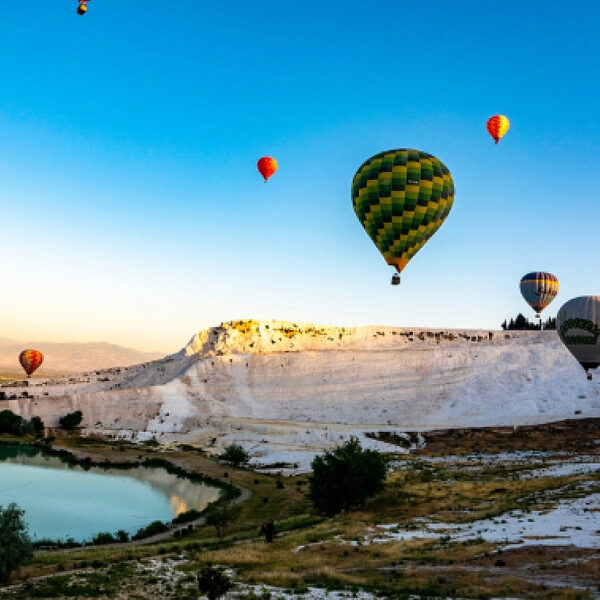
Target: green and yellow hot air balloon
x=401 y=197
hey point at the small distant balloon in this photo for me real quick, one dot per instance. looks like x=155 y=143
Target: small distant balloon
x=82 y=7
x=497 y=127
x=267 y=166
x=578 y=326
x=539 y=289
x=30 y=360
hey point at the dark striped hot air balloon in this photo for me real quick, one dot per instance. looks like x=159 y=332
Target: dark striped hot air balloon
x=30 y=360
x=578 y=325
x=539 y=289
x=401 y=198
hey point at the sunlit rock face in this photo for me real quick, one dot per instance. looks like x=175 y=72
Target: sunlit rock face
x=284 y=382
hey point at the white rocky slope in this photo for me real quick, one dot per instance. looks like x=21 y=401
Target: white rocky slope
x=305 y=386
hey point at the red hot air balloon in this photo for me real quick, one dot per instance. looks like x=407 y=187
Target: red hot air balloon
x=30 y=360
x=267 y=166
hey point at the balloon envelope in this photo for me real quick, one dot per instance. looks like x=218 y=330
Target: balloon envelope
x=539 y=289
x=497 y=127
x=401 y=197
x=30 y=360
x=578 y=325
x=267 y=166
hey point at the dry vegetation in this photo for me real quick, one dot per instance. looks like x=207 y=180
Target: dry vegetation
x=335 y=552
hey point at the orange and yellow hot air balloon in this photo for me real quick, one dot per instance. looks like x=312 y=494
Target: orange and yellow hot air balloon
x=82 y=7
x=267 y=166
x=30 y=360
x=498 y=126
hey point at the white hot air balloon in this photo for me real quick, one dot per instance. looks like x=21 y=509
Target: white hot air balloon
x=578 y=325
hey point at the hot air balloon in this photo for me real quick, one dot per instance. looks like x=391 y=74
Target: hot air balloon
x=30 y=360
x=401 y=197
x=497 y=126
x=578 y=325
x=267 y=166
x=82 y=7
x=539 y=289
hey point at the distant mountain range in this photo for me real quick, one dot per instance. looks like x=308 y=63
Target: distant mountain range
x=65 y=358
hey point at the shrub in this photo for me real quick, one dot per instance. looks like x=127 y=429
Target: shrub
x=152 y=529
x=15 y=545
x=103 y=538
x=213 y=583
x=185 y=517
x=10 y=423
x=71 y=420
x=37 y=426
x=17 y=425
x=122 y=536
x=345 y=477
x=268 y=530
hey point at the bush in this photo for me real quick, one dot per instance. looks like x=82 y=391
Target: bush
x=37 y=426
x=268 y=530
x=346 y=477
x=15 y=545
x=213 y=583
x=71 y=420
x=188 y=515
x=235 y=455
x=104 y=538
x=152 y=529
x=122 y=536
x=16 y=425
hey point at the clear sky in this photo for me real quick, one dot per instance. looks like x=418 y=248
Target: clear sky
x=132 y=211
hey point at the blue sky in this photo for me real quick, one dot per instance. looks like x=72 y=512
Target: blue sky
x=132 y=212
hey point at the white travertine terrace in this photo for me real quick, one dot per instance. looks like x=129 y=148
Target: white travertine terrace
x=281 y=388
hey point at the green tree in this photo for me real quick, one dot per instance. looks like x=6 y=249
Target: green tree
x=213 y=583
x=71 y=420
x=220 y=516
x=345 y=477
x=37 y=426
x=122 y=536
x=104 y=537
x=15 y=545
x=521 y=322
x=11 y=423
x=235 y=455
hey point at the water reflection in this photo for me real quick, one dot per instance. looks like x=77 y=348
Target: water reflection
x=67 y=500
